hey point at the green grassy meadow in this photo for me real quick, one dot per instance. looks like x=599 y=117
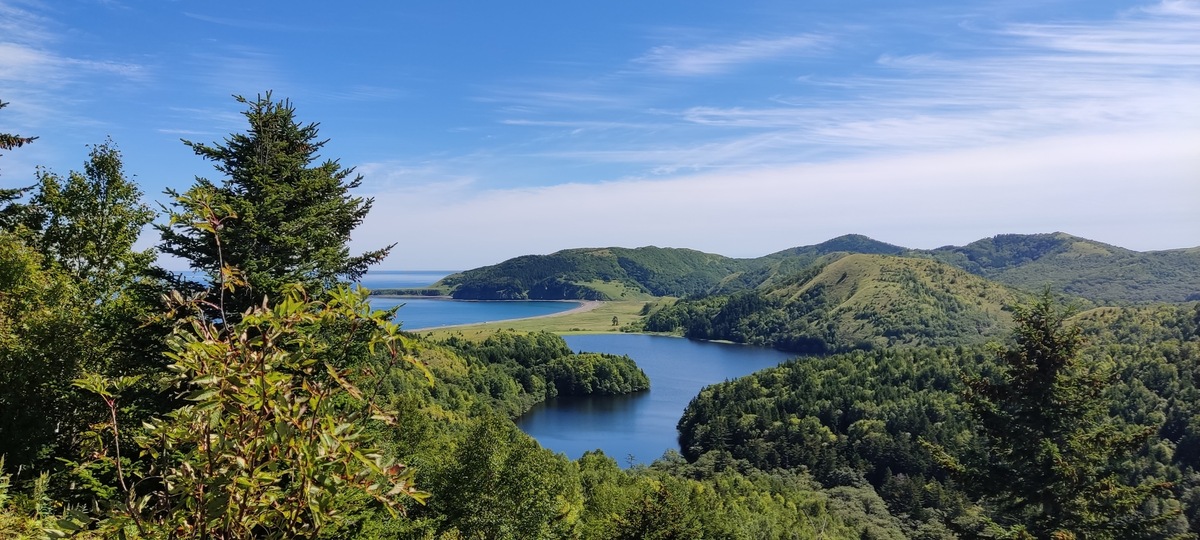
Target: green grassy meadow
x=596 y=321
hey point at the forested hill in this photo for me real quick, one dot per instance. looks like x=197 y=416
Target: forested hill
x=771 y=269
x=1081 y=267
x=596 y=274
x=614 y=273
x=845 y=302
x=891 y=417
x=1068 y=264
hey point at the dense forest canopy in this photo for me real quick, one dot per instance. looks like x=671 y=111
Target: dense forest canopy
x=1070 y=265
x=941 y=397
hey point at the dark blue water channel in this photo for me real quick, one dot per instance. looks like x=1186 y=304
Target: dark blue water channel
x=641 y=425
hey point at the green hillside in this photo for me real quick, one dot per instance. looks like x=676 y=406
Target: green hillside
x=1067 y=264
x=615 y=273
x=845 y=302
x=1080 y=267
x=770 y=269
x=878 y=416
x=595 y=274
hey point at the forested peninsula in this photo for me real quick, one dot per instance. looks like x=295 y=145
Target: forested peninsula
x=1022 y=386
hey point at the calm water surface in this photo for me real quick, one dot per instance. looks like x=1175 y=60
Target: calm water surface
x=419 y=313
x=401 y=279
x=641 y=425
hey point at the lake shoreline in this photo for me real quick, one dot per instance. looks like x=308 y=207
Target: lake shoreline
x=583 y=307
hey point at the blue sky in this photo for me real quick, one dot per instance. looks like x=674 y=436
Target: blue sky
x=487 y=130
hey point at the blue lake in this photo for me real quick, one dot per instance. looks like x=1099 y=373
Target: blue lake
x=641 y=425
x=418 y=313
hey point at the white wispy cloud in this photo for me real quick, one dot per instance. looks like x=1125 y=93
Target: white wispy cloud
x=523 y=100
x=720 y=58
x=1097 y=186
x=41 y=80
x=1138 y=71
x=239 y=69
x=19 y=25
x=1086 y=127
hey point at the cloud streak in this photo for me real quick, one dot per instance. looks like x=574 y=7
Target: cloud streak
x=1135 y=72
x=717 y=59
x=1085 y=127
x=1094 y=186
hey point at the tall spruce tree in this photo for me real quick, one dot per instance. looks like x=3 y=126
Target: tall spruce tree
x=289 y=213
x=12 y=212
x=1053 y=456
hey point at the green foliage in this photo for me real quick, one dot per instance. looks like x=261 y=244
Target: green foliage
x=519 y=371
x=584 y=274
x=270 y=435
x=40 y=320
x=74 y=297
x=1080 y=267
x=90 y=222
x=875 y=416
x=11 y=214
x=848 y=302
x=591 y=373
x=1070 y=265
x=8 y=141
x=500 y=484
x=1050 y=455
x=288 y=216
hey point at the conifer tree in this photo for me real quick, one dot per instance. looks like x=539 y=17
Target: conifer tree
x=1053 y=455
x=11 y=212
x=8 y=141
x=290 y=214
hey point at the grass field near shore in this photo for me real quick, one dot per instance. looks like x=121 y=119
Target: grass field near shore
x=594 y=321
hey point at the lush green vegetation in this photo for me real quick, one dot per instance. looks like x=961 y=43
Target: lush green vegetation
x=528 y=369
x=951 y=435
x=1080 y=267
x=850 y=302
x=582 y=273
x=1069 y=265
x=285 y=216
x=132 y=410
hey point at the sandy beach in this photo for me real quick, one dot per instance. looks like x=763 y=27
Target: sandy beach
x=584 y=306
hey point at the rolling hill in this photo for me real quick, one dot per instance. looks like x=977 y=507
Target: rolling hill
x=1067 y=264
x=846 y=302
x=1080 y=267
x=595 y=274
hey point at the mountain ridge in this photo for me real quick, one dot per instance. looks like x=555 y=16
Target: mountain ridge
x=1068 y=264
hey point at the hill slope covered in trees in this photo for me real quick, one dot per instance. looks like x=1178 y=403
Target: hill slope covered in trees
x=1067 y=264
x=1080 y=267
x=846 y=302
